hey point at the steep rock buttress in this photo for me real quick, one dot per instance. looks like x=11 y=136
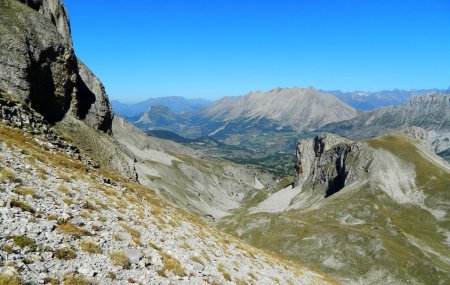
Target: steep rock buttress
x=39 y=67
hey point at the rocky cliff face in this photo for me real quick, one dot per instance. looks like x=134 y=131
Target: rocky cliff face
x=337 y=168
x=92 y=104
x=328 y=163
x=38 y=64
x=56 y=12
x=308 y=151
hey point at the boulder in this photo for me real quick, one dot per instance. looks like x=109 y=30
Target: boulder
x=134 y=255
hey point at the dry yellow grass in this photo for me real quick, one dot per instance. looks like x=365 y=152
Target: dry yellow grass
x=6 y=279
x=225 y=274
x=132 y=231
x=68 y=201
x=89 y=206
x=172 y=264
x=65 y=253
x=25 y=191
x=185 y=245
x=51 y=281
x=140 y=212
x=8 y=176
x=120 y=259
x=206 y=256
x=118 y=236
x=197 y=259
x=63 y=189
x=23 y=241
x=43 y=176
x=63 y=176
x=73 y=279
x=86 y=215
x=52 y=218
x=71 y=229
x=90 y=247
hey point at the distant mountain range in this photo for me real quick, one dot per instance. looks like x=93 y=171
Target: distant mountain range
x=278 y=110
x=293 y=108
x=430 y=112
x=293 y=112
x=300 y=110
x=360 y=100
x=367 y=101
x=177 y=104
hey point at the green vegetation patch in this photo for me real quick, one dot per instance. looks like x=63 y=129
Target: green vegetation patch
x=23 y=241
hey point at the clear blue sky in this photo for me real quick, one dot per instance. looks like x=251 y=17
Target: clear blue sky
x=214 y=48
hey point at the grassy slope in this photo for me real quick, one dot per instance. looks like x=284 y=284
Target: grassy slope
x=141 y=199
x=363 y=236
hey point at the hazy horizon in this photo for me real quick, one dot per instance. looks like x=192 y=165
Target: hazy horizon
x=125 y=101
x=148 y=49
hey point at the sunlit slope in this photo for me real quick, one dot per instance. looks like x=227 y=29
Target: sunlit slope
x=372 y=231
x=208 y=188
x=72 y=223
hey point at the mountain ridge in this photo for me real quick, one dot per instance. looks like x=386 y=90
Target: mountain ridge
x=278 y=110
x=279 y=105
x=429 y=112
x=177 y=104
x=364 y=202
x=368 y=101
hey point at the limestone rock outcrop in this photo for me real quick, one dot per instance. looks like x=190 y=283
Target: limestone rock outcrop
x=39 y=67
x=93 y=104
x=339 y=167
x=310 y=150
x=327 y=163
x=55 y=11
